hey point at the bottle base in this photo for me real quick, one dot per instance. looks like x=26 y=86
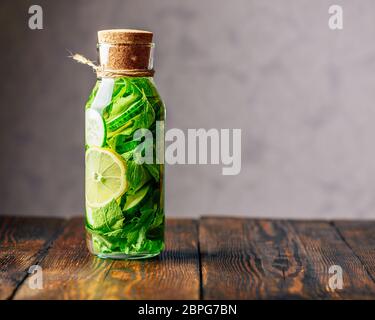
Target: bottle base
x=105 y=251
x=123 y=256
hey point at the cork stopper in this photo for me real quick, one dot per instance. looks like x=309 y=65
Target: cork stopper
x=120 y=36
x=125 y=49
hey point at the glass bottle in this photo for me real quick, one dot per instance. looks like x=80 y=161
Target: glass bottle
x=124 y=160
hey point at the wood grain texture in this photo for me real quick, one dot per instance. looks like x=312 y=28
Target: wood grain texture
x=360 y=236
x=23 y=243
x=250 y=259
x=71 y=272
x=324 y=248
x=271 y=259
x=214 y=258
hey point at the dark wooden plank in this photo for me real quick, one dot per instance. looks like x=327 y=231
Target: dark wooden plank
x=325 y=247
x=250 y=259
x=71 y=272
x=360 y=236
x=23 y=242
x=270 y=259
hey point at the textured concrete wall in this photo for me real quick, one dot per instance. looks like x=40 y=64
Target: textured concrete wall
x=302 y=94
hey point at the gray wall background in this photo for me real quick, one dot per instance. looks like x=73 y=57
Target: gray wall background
x=302 y=94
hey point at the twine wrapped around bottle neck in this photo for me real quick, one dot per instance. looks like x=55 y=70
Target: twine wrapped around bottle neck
x=101 y=72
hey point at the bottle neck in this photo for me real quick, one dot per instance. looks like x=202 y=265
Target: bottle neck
x=126 y=59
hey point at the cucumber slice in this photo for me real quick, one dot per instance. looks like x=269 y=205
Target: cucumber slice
x=134 y=202
x=89 y=216
x=95 y=128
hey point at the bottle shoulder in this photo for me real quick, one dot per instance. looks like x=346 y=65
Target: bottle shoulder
x=113 y=91
x=141 y=84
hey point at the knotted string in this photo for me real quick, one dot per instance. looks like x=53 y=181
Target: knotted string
x=102 y=72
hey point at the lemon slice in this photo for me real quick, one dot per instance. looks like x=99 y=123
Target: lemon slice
x=105 y=176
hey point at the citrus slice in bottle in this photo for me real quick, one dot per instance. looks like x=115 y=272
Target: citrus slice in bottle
x=95 y=128
x=105 y=177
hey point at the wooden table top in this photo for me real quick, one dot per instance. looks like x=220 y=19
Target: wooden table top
x=210 y=258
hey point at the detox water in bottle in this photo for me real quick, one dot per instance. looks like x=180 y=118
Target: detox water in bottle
x=124 y=150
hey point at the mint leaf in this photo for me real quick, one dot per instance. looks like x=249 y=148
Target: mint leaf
x=154 y=170
x=121 y=143
x=121 y=104
x=137 y=175
x=107 y=218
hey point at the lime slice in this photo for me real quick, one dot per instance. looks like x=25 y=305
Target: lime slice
x=133 y=202
x=105 y=177
x=95 y=128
